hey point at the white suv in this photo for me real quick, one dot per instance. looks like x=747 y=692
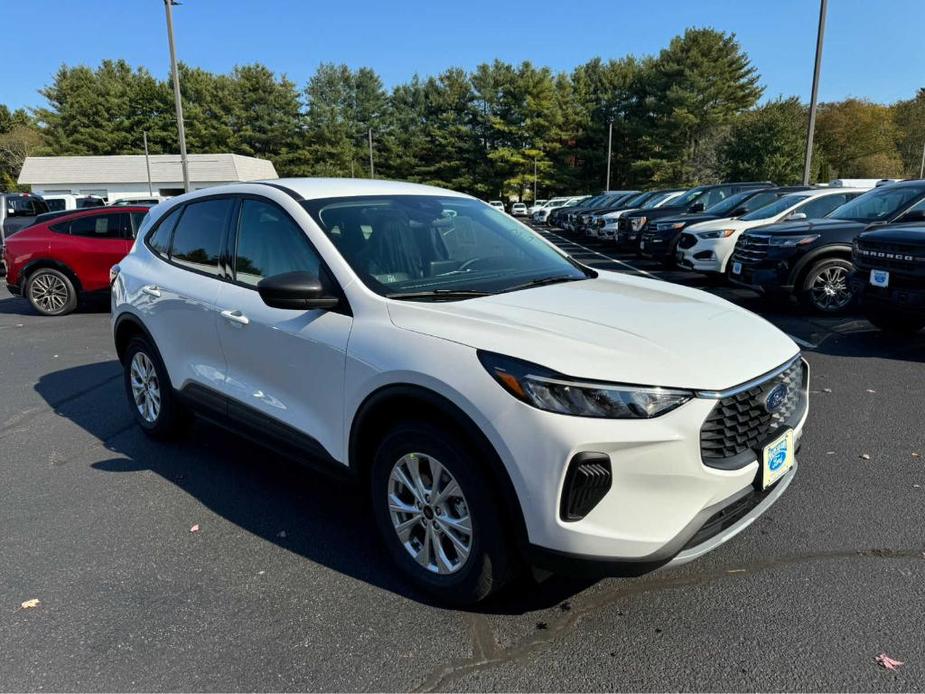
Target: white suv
x=503 y=404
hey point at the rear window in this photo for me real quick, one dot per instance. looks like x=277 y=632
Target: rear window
x=55 y=205
x=159 y=241
x=197 y=240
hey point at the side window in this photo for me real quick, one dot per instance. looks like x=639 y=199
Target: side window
x=820 y=207
x=711 y=197
x=102 y=226
x=197 y=240
x=55 y=205
x=159 y=241
x=270 y=243
x=137 y=219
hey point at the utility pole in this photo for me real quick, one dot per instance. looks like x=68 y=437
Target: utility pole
x=609 y=145
x=922 y=166
x=144 y=134
x=534 y=180
x=176 y=92
x=810 y=131
x=372 y=172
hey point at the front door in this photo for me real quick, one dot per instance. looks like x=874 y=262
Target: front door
x=284 y=364
x=93 y=245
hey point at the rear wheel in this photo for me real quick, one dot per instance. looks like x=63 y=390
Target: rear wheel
x=437 y=514
x=51 y=292
x=894 y=322
x=825 y=286
x=150 y=395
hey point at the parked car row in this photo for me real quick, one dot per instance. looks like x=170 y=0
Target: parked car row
x=827 y=246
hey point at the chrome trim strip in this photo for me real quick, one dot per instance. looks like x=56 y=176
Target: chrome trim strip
x=735 y=390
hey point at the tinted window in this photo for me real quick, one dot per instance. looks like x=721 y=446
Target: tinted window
x=269 y=243
x=55 y=205
x=820 y=207
x=879 y=204
x=775 y=208
x=160 y=239
x=197 y=240
x=137 y=219
x=103 y=226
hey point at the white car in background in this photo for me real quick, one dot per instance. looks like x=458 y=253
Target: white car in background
x=708 y=246
x=542 y=214
x=612 y=219
x=537 y=204
x=497 y=204
x=518 y=209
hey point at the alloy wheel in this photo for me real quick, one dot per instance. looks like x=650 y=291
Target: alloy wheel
x=830 y=290
x=429 y=513
x=146 y=389
x=48 y=292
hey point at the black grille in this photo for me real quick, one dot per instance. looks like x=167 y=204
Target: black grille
x=751 y=249
x=687 y=241
x=890 y=256
x=740 y=423
x=727 y=517
x=587 y=481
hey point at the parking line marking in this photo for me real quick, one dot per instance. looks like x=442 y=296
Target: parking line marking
x=606 y=257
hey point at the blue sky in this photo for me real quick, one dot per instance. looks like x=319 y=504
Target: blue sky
x=873 y=47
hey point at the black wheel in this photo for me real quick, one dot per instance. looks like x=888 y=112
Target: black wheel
x=150 y=395
x=438 y=516
x=893 y=322
x=825 y=286
x=51 y=292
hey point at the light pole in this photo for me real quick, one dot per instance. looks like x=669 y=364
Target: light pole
x=609 y=144
x=823 y=6
x=372 y=173
x=534 y=180
x=176 y=92
x=144 y=134
x=922 y=165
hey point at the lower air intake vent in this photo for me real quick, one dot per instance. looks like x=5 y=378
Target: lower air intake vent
x=587 y=481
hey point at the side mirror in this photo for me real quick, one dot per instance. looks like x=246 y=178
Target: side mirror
x=738 y=212
x=696 y=207
x=299 y=291
x=913 y=216
x=796 y=216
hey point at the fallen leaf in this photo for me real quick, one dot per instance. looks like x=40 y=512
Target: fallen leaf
x=916 y=455
x=29 y=604
x=916 y=486
x=826 y=390
x=195 y=528
x=736 y=571
x=871 y=390
x=888 y=663
x=830 y=452
x=865 y=456
x=261 y=573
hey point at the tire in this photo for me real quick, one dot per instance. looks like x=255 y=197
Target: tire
x=824 y=288
x=51 y=292
x=893 y=322
x=142 y=364
x=452 y=578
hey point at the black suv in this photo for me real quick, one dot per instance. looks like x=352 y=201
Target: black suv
x=660 y=238
x=889 y=277
x=695 y=200
x=812 y=259
x=18 y=211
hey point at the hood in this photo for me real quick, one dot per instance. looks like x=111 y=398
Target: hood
x=659 y=212
x=911 y=234
x=688 y=219
x=616 y=328
x=811 y=226
x=616 y=214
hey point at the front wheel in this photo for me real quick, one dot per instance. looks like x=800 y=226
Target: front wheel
x=437 y=514
x=51 y=292
x=825 y=286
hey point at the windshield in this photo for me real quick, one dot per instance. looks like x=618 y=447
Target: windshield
x=724 y=207
x=658 y=199
x=878 y=204
x=688 y=197
x=775 y=208
x=639 y=200
x=422 y=244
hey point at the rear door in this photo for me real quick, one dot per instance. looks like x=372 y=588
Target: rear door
x=91 y=245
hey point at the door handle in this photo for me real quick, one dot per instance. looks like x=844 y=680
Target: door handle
x=236 y=317
x=152 y=290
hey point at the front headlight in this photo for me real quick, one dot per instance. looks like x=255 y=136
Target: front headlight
x=553 y=392
x=637 y=223
x=789 y=241
x=670 y=226
x=718 y=234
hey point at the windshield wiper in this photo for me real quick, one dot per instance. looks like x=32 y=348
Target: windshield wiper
x=556 y=279
x=439 y=294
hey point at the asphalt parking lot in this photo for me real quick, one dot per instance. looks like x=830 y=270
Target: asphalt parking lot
x=284 y=586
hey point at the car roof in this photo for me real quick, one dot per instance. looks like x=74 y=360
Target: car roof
x=92 y=211
x=315 y=188
x=819 y=192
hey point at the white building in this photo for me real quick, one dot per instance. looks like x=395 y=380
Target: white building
x=126 y=176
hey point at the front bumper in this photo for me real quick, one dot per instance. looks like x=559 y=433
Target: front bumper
x=703 y=256
x=766 y=278
x=907 y=297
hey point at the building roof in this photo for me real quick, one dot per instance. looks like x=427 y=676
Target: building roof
x=130 y=168
x=314 y=188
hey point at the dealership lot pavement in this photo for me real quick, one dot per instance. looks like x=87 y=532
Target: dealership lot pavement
x=284 y=586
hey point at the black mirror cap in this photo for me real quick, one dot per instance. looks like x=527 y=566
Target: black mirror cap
x=299 y=291
x=696 y=207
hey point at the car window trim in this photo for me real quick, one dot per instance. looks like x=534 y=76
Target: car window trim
x=169 y=257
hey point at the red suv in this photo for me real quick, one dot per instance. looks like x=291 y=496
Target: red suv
x=51 y=264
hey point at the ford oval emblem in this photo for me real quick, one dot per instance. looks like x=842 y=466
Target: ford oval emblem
x=776 y=397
